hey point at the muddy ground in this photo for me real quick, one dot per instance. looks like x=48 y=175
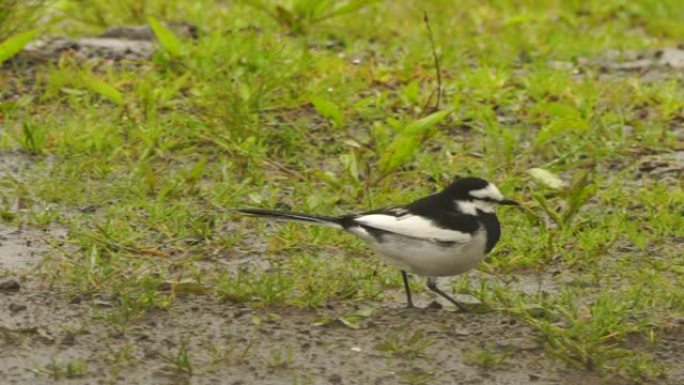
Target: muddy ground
x=42 y=330
x=47 y=336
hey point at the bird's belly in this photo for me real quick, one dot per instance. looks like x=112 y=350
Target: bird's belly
x=432 y=259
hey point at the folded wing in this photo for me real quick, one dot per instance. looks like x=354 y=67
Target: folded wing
x=412 y=226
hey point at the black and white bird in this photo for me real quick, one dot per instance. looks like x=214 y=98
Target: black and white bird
x=444 y=234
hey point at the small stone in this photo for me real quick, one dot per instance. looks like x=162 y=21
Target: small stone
x=561 y=65
x=672 y=57
x=150 y=353
x=69 y=339
x=89 y=209
x=335 y=379
x=75 y=300
x=116 y=335
x=466 y=299
x=104 y=300
x=17 y=307
x=241 y=313
x=9 y=284
x=460 y=332
x=520 y=344
x=386 y=379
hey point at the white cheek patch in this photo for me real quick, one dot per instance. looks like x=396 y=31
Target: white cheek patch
x=466 y=207
x=412 y=226
x=487 y=207
x=471 y=207
x=489 y=192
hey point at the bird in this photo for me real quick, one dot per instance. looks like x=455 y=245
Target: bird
x=443 y=234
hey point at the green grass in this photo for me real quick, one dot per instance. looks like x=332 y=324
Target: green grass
x=405 y=344
x=316 y=109
x=69 y=370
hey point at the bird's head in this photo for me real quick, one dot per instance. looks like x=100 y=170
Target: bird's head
x=472 y=194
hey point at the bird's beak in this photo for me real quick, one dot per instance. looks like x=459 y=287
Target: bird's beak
x=509 y=202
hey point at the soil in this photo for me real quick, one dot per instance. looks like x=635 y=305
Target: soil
x=41 y=330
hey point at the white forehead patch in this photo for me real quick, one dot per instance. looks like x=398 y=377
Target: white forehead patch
x=490 y=192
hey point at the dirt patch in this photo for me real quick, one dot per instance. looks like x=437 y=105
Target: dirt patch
x=116 y=44
x=654 y=65
x=236 y=344
x=16 y=252
x=23 y=248
x=663 y=166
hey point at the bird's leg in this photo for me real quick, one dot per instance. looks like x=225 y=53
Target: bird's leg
x=408 y=289
x=432 y=285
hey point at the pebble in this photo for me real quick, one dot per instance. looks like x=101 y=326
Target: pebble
x=69 y=339
x=16 y=307
x=521 y=344
x=9 y=284
x=460 y=332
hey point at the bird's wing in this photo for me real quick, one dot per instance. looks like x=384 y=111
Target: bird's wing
x=401 y=221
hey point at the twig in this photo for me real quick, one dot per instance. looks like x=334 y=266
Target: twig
x=438 y=70
x=284 y=169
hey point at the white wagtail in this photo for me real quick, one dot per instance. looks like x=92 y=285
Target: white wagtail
x=443 y=234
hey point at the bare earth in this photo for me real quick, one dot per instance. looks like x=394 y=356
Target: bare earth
x=41 y=329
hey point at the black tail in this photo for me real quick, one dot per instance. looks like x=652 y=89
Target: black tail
x=294 y=217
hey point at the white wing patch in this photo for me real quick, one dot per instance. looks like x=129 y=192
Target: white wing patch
x=412 y=226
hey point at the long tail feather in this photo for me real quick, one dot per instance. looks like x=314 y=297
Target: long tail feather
x=294 y=217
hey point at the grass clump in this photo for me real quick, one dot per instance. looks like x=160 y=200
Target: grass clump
x=18 y=16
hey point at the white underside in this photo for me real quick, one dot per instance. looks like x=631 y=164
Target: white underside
x=426 y=257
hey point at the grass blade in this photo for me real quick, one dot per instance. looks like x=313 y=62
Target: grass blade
x=166 y=37
x=350 y=7
x=14 y=44
x=102 y=88
x=405 y=145
x=328 y=109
